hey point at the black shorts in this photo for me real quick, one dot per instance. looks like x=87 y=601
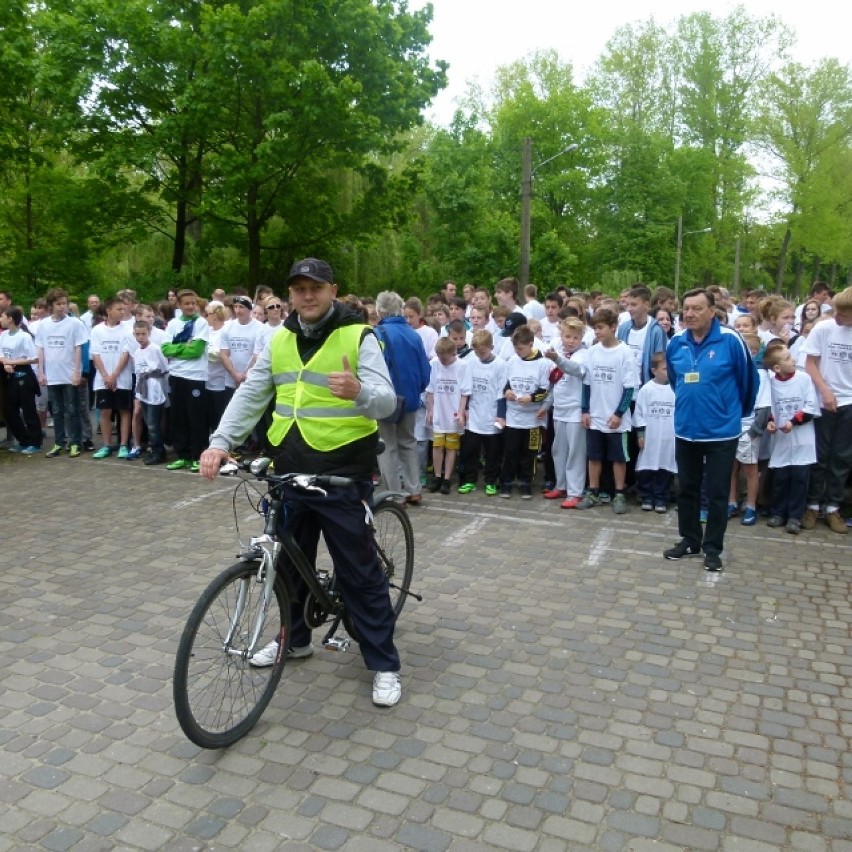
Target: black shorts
x=114 y=400
x=606 y=446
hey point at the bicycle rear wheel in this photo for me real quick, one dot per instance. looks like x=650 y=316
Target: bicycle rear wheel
x=395 y=548
x=218 y=695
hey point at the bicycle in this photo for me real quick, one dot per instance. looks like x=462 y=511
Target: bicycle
x=218 y=695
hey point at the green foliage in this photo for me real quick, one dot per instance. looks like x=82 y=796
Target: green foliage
x=150 y=143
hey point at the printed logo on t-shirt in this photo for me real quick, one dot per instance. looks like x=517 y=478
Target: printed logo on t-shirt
x=478 y=384
x=56 y=341
x=603 y=373
x=841 y=352
x=661 y=409
x=446 y=385
x=523 y=384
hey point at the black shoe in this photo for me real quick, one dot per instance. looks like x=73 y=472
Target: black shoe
x=87 y=445
x=775 y=521
x=435 y=485
x=712 y=562
x=525 y=491
x=680 y=550
x=154 y=458
x=445 y=486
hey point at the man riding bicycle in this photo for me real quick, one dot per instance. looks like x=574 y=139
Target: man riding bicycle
x=330 y=383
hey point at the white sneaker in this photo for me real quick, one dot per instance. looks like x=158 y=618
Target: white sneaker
x=266 y=655
x=387 y=689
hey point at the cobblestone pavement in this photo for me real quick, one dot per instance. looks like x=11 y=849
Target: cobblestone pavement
x=564 y=686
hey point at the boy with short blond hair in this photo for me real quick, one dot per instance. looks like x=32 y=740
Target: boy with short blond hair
x=482 y=437
x=569 y=437
x=794 y=406
x=446 y=410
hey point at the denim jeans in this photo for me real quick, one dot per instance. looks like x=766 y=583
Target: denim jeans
x=64 y=402
x=153 y=416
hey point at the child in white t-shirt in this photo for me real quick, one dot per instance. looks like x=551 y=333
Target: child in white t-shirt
x=752 y=428
x=151 y=368
x=446 y=410
x=829 y=364
x=610 y=382
x=654 y=422
x=566 y=399
x=522 y=412
x=482 y=437
x=794 y=406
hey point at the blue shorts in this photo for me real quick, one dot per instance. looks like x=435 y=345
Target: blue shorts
x=607 y=446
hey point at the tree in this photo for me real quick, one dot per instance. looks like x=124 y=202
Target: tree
x=298 y=94
x=805 y=125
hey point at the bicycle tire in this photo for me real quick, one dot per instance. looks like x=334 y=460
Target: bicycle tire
x=395 y=548
x=219 y=696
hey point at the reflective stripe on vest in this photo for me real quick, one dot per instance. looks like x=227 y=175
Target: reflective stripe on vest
x=325 y=421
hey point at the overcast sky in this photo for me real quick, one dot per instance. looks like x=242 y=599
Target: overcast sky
x=477 y=36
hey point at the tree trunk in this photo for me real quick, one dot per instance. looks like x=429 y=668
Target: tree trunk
x=782 y=260
x=832 y=275
x=815 y=270
x=179 y=251
x=254 y=227
x=800 y=274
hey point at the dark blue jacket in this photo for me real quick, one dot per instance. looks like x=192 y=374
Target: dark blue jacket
x=715 y=383
x=406 y=359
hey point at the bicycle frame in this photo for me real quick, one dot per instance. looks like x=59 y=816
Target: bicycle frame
x=270 y=546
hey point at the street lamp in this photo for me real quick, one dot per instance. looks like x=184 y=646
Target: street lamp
x=680 y=236
x=527 y=173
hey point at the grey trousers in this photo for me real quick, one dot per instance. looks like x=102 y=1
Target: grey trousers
x=398 y=464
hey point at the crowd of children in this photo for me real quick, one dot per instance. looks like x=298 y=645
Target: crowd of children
x=576 y=384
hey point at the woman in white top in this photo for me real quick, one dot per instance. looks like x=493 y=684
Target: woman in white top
x=218 y=392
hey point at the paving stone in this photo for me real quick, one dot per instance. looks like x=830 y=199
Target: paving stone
x=599 y=702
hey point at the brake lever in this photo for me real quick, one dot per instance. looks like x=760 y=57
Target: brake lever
x=304 y=483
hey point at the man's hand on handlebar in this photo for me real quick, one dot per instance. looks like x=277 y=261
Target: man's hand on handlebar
x=211 y=460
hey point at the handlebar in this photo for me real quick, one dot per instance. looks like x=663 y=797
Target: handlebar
x=306 y=481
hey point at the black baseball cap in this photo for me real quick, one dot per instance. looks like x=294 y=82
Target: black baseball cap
x=311 y=267
x=514 y=320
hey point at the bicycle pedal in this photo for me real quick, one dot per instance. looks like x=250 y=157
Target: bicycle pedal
x=335 y=643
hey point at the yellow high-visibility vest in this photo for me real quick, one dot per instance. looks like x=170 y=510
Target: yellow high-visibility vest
x=325 y=421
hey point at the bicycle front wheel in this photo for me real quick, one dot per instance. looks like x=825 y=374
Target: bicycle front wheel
x=395 y=547
x=218 y=694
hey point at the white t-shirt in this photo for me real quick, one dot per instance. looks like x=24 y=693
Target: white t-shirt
x=239 y=340
x=655 y=405
x=534 y=310
x=797 y=447
x=57 y=340
x=193 y=369
x=568 y=391
x=448 y=384
x=17 y=346
x=429 y=337
x=524 y=377
x=145 y=361
x=610 y=369
x=264 y=335
x=217 y=375
x=636 y=342
x=551 y=333
x=487 y=380
x=833 y=344
x=110 y=342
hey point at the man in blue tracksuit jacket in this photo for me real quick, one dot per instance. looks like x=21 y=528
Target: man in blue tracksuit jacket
x=715 y=383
